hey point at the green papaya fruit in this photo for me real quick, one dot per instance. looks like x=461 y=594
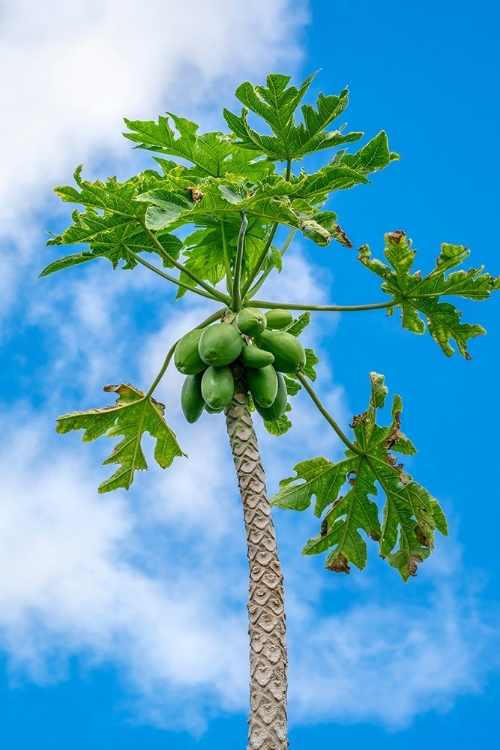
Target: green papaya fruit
x=220 y=344
x=277 y=319
x=277 y=408
x=186 y=356
x=251 y=321
x=289 y=354
x=217 y=386
x=263 y=385
x=213 y=411
x=192 y=401
x=252 y=356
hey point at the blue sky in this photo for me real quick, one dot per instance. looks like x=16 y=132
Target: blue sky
x=122 y=617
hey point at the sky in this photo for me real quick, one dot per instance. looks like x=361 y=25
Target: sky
x=123 y=616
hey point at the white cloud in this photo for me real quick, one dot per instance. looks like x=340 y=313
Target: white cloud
x=386 y=663
x=154 y=583
x=71 y=71
x=70 y=586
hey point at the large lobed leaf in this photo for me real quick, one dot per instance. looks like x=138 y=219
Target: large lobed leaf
x=272 y=200
x=131 y=416
x=203 y=253
x=419 y=297
x=276 y=103
x=213 y=154
x=345 y=490
x=111 y=224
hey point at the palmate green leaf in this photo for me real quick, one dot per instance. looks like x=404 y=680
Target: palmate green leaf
x=299 y=324
x=345 y=490
x=170 y=211
x=67 y=262
x=276 y=103
x=204 y=256
x=372 y=157
x=292 y=385
x=311 y=136
x=213 y=154
x=130 y=417
x=203 y=251
x=271 y=201
x=419 y=297
x=311 y=361
x=325 y=181
x=315 y=188
x=110 y=224
x=278 y=427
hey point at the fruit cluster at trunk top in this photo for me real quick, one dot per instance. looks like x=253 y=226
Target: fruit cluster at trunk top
x=254 y=346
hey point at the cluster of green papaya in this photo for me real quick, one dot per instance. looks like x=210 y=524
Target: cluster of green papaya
x=258 y=344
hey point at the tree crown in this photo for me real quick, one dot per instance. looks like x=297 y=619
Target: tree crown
x=207 y=219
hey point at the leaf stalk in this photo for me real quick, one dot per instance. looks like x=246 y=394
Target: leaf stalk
x=264 y=276
x=167 y=276
x=264 y=252
x=237 y=291
x=212 y=291
x=322 y=409
x=323 y=308
x=171 y=351
x=227 y=262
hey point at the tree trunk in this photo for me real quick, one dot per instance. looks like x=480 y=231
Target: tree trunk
x=266 y=613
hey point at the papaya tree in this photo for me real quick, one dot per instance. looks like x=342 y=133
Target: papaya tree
x=215 y=217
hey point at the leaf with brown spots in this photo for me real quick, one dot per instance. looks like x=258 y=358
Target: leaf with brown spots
x=419 y=298
x=345 y=490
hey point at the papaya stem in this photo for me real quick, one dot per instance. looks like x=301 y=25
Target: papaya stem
x=168 y=277
x=260 y=261
x=227 y=262
x=210 y=289
x=323 y=308
x=215 y=316
x=264 y=276
x=237 y=291
x=327 y=415
x=264 y=252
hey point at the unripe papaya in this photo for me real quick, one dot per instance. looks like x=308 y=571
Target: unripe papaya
x=251 y=321
x=263 y=385
x=252 y=356
x=289 y=354
x=277 y=408
x=186 y=356
x=277 y=319
x=192 y=401
x=213 y=411
x=220 y=344
x=217 y=386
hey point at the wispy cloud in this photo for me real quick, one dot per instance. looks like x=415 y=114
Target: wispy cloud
x=154 y=583
x=71 y=71
x=387 y=662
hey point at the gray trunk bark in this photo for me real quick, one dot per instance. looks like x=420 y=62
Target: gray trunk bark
x=266 y=613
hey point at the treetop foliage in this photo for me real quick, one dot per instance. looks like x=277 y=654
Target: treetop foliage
x=207 y=219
